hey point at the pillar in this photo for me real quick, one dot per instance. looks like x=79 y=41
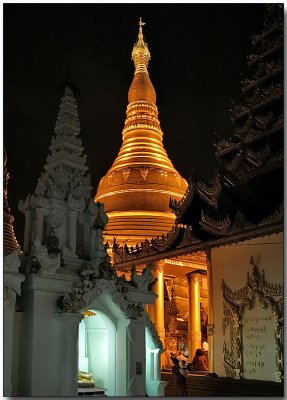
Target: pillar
x=9 y=311
x=27 y=232
x=48 y=358
x=11 y=327
x=72 y=230
x=194 y=326
x=150 y=311
x=159 y=302
x=87 y=237
x=69 y=353
x=210 y=325
x=136 y=358
x=39 y=231
x=61 y=232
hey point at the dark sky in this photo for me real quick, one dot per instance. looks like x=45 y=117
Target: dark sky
x=198 y=58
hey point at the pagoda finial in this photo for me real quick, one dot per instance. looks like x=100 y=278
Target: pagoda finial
x=140 y=53
x=140 y=36
x=141 y=23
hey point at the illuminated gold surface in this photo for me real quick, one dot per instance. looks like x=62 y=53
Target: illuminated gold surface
x=194 y=327
x=159 y=302
x=137 y=188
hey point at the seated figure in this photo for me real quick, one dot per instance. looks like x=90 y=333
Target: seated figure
x=199 y=362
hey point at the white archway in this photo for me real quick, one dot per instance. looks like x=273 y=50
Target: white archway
x=97 y=349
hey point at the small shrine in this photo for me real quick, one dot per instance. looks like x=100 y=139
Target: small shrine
x=71 y=297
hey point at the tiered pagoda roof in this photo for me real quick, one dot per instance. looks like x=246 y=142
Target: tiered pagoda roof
x=257 y=142
x=66 y=170
x=248 y=188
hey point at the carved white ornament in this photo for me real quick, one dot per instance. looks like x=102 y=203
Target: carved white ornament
x=131 y=329
x=12 y=262
x=49 y=264
x=55 y=217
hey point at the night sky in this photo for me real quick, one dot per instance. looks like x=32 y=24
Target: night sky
x=198 y=59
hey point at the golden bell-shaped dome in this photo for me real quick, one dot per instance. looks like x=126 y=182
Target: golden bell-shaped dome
x=137 y=188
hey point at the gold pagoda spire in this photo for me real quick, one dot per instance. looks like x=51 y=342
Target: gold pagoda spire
x=137 y=188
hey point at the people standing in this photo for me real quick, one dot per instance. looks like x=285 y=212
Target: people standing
x=205 y=349
x=179 y=379
x=183 y=368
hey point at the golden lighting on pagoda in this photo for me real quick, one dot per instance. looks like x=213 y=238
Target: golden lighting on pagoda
x=137 y=188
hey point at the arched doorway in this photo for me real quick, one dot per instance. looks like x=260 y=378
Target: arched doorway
x=97 y=349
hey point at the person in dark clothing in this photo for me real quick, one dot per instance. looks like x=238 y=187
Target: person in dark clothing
x=199 y=362
x=179 y=379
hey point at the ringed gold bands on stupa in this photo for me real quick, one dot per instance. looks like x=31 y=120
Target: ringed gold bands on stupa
x=137 y=188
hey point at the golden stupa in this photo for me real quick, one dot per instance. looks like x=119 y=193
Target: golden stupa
x=137 y=188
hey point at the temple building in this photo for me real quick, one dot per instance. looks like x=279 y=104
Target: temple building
x=136 y=192
x=104 y=289
x=236 y=219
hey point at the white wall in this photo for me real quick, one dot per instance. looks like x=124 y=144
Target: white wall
x=232 y=263
x=154 y=386
x=41 y=346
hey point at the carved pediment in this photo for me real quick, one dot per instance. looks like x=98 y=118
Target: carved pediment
x=87 y=289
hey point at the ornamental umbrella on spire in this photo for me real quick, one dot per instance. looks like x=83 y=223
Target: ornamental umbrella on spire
x=140 y=53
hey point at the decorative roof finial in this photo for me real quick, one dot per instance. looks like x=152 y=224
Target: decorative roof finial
x=141 y=23
x=140 y=53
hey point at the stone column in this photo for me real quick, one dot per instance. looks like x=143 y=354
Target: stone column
x=12 y=287
x=136 y=358
x=27 y=232
x=87 y=237
x=159 y=302
x=69 y=350
x=150 y=311
x=210 y=325
x=72 y=230
x=62 y=232
x=39 y=230
x=9 y=311
x=194 y=326
x=55 y=340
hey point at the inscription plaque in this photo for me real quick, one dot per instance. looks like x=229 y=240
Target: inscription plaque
x=259 y=359
x=253 y=328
